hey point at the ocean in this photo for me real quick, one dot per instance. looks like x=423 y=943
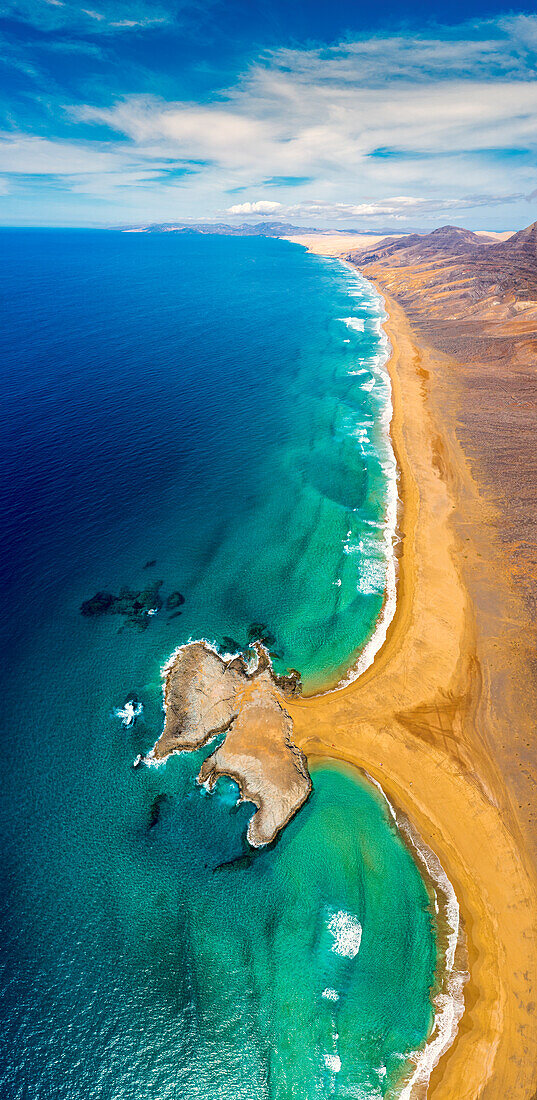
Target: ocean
x=209 y=413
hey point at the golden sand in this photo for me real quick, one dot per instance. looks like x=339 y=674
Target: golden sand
x=424 y=722
x=333 y=244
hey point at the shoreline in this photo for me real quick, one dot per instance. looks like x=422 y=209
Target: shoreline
x=451 y=971
x=363 y=657
x=451 y=974
x=411 y=721
x=420 y=720
x=376 y=641
x=447 y=995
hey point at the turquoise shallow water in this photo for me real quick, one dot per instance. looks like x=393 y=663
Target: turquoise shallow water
x=205 y=403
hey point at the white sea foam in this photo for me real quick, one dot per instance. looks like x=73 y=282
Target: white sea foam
x=129 y=712
x=357 y=324
x=390 y=537
x=372 y=573
x=374 y=324
x=449 y=1001
x=330 y=994
x=168 y=664
x=347 y=933
x=361 y=435
x=332 y=1062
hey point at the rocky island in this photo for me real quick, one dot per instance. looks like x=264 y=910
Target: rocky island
x=206 y=695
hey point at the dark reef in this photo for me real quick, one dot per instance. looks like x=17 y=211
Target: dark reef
x=175 y=599
x=134 y=606
x=259 y=632
x=155 y=809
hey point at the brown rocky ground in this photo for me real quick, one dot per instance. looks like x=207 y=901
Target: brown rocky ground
x=204 y=695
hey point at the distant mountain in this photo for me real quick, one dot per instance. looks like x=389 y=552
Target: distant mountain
x=523 y=241
x=418 y=247
x=453 y=236
x=244 y=229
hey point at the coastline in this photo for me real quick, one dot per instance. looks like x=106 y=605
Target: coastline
x=414 y=722
x=377 y=639
x=448 y=1000
x=451 y=974
x=421 y=721
x=447 y=995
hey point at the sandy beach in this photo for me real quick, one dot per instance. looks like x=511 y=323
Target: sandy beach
x=333 y=244
x=440 y=717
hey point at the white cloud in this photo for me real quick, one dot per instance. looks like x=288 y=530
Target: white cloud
x=28 y=155
x=116 y=14
x=150 y=21
x=329 y=114
x=399 y=207
x=260 y=207
x=387 y=127
x=275 y=135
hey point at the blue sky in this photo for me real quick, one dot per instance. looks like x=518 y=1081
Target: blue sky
x=319 y=113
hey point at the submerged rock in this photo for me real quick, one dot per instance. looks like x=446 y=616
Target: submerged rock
x=175 y=599
x=99 y=604
x=231 y=645
x=137 y=607
x=259 y=632
x=155 y=810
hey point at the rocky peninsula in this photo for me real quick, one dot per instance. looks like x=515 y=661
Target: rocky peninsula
x=206 y=695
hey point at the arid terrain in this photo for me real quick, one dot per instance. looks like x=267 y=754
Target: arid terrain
x=474 y=298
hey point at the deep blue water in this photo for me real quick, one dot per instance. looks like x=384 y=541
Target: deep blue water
x=195 y=401
x=203 y=403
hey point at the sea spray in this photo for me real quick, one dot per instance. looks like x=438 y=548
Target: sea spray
x=390 y=536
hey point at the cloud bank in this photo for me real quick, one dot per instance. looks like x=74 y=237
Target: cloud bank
x=390 y=127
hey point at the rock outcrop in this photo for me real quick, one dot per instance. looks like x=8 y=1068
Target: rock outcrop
x=205 y=695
